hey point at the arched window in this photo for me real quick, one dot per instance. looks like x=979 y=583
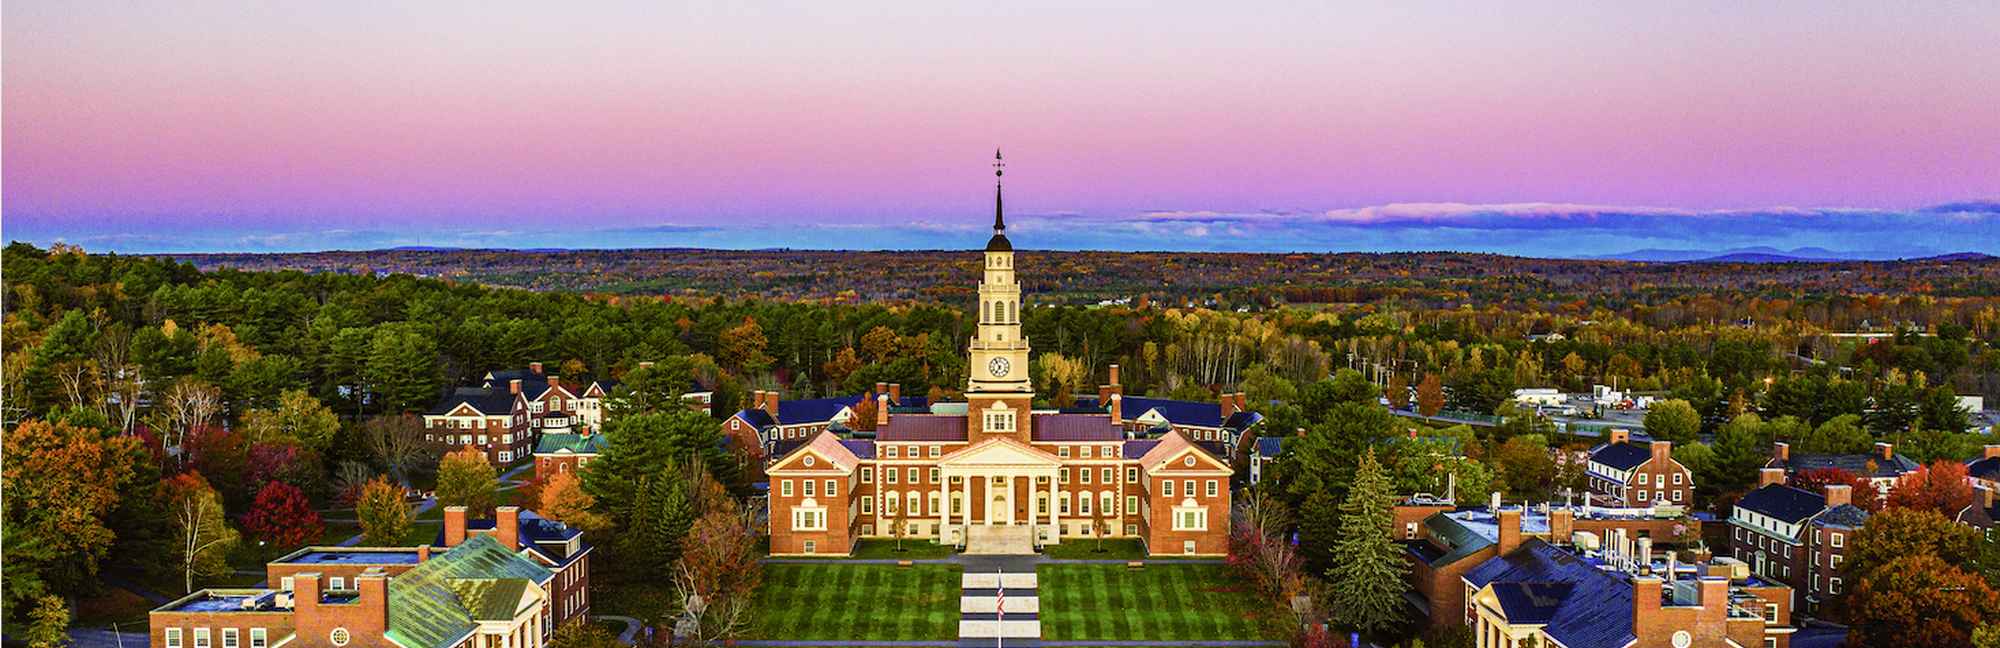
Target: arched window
x=985 y=312
x=1011 y=314
x=999 y=311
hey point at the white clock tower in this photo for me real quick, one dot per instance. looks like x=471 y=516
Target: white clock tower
x=997 y=392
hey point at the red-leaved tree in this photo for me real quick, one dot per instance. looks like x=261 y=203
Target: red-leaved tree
x=282 y=516
x=1920 y=602
x=1816 y=480
x=1940 y=487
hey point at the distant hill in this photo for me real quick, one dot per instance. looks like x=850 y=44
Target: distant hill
x=1766 y=254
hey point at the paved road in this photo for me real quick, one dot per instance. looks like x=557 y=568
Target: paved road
x=631 y=631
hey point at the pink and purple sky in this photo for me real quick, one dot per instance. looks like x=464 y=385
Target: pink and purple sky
x=1554 y=129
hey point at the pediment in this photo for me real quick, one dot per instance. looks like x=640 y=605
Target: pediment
x=999 y=452
x=464 y=409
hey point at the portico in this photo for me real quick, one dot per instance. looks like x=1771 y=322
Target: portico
x=1000 y=482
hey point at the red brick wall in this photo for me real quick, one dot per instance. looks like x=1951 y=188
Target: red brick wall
x=838 y=538
x=1161 y=539
x=277 y=624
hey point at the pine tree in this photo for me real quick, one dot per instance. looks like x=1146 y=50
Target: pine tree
x=1319 y=520
x=660 y=520
x=1368 y=573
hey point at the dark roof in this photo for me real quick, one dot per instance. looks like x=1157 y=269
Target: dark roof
x=784 y=447
x=1138 y=447
x=490 y=402
x=1457 y=539
x=1213 y=448
x=1177 y=412
x=1783 y=502
x=532 y=529
x=1845 y=516
x=1270 y=446
x=1856 y=464
x=1585 y=607
x=1242 y=420
x=999 y=243
x=757 y=418
x=1532 y=603
x=1987 y=468
x=861 y=448
x=1074 y=427
x=813 y=410
x=1621 y=456
x=922 y=427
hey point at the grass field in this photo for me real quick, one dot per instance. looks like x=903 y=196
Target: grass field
x=912 y=549
x=1159 y=602
x=857 y=602
x=1086 y=549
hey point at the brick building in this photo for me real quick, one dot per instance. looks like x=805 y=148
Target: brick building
x=995 y=465
x=1794 y=536
x=509 y=411
x=479 y=593
x=1632 y=474
x=1881 y=467
x=553 y=545
x=1620 y=597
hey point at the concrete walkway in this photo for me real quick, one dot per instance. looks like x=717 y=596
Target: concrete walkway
x=631 y=632
x=998 y=606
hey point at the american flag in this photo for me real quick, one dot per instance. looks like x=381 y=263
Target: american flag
x=999 y=604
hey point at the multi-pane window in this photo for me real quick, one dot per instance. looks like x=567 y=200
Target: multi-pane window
x=1110 y=476
x=1062 y=475
x=1062 y=451
x=229 y=638
x=173 y=637
x=201 y=638
x=867 y=475
x=868 y=505
x=1083 y=452
x=1131 y=503
x=889 y=475
x=259 y=638
x=809 y=488
x=934 y=452
x=1084 y=473
x=1209 y=489
x=1132 y=475
x=889 y=452
x=808 y=520
x=1166 y=488
x=913 y=475
x=784 y=488
x=1187 y=487
x=831 y=491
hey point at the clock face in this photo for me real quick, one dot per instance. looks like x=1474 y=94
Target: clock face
x=997 y=367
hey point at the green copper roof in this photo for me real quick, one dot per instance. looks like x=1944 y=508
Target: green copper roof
x=429 y=607
x=490 y=599
x=552 y=442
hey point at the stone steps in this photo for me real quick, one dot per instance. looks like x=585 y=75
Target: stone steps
x=989 y=618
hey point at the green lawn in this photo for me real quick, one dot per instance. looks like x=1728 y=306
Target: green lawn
x=1086 y=549
x=1160 y=602
x=913 y=549
x=839 y=602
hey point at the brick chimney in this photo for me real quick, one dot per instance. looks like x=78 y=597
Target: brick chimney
x=507 y=527
x=1242 y=402
x=555 y=381
x=771 y=403
x=535 y=368
x=1117 y=408
x=1104 y=392
x=454 y=525
x=881 y=388
x=1510 y=530
x=1562 y=525
x=881 y=409
x=373 y=586
x=1619 y=435
x=1769 y=476
x=896 y=393
x=1986 y=498
x=1991 y=451
x=1838 y=494
x=1884 y=450
x=514 y=386
x=1781 y=451
x=423 y=553
x=1646 y=607
x=1228 y=402
x=305 y=594
x=756 y=399
x=1663 y=451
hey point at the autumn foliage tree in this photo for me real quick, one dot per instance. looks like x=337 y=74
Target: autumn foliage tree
x=1919 y=601
x=561 y=498
x=1863 y=493
x=1430 y=395
x=466 y=479
x=282 y=517
x=385 y=519
x=61 y=484
x=1940 y=487
x=203 y=537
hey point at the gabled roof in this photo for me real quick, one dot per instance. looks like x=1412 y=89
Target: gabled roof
x=1177 y=412
x=1075 y=427
x=490 y=599
x=1271 y=446
x=425 y=606
x=1621 y=456
x=813 y=410
x=1458 y=539
x=488 y=402
x=1173 y=446
x=1781 y=502
x=1856 y=464
x=1138 y=447
x=999 y=451
x=1593 y=609
x=558 y=442
x=922 y=427
x=827 y=446
x=862 y=448
x=757 y=418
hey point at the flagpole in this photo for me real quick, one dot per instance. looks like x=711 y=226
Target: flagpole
x=999 y=608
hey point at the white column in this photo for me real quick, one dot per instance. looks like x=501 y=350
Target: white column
x=966 y=480
x=1055 y=506
x=944 y=505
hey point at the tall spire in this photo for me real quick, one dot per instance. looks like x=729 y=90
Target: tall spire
x=999 y=166
x=999 y=241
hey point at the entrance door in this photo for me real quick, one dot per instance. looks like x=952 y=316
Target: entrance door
x=999 y=512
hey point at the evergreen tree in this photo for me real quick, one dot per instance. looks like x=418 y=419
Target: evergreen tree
x=661 y=514
x=1319 y=522
x=1368 y=574
x=402 y=367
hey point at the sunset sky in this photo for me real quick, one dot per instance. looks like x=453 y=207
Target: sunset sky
x=1550 y=129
